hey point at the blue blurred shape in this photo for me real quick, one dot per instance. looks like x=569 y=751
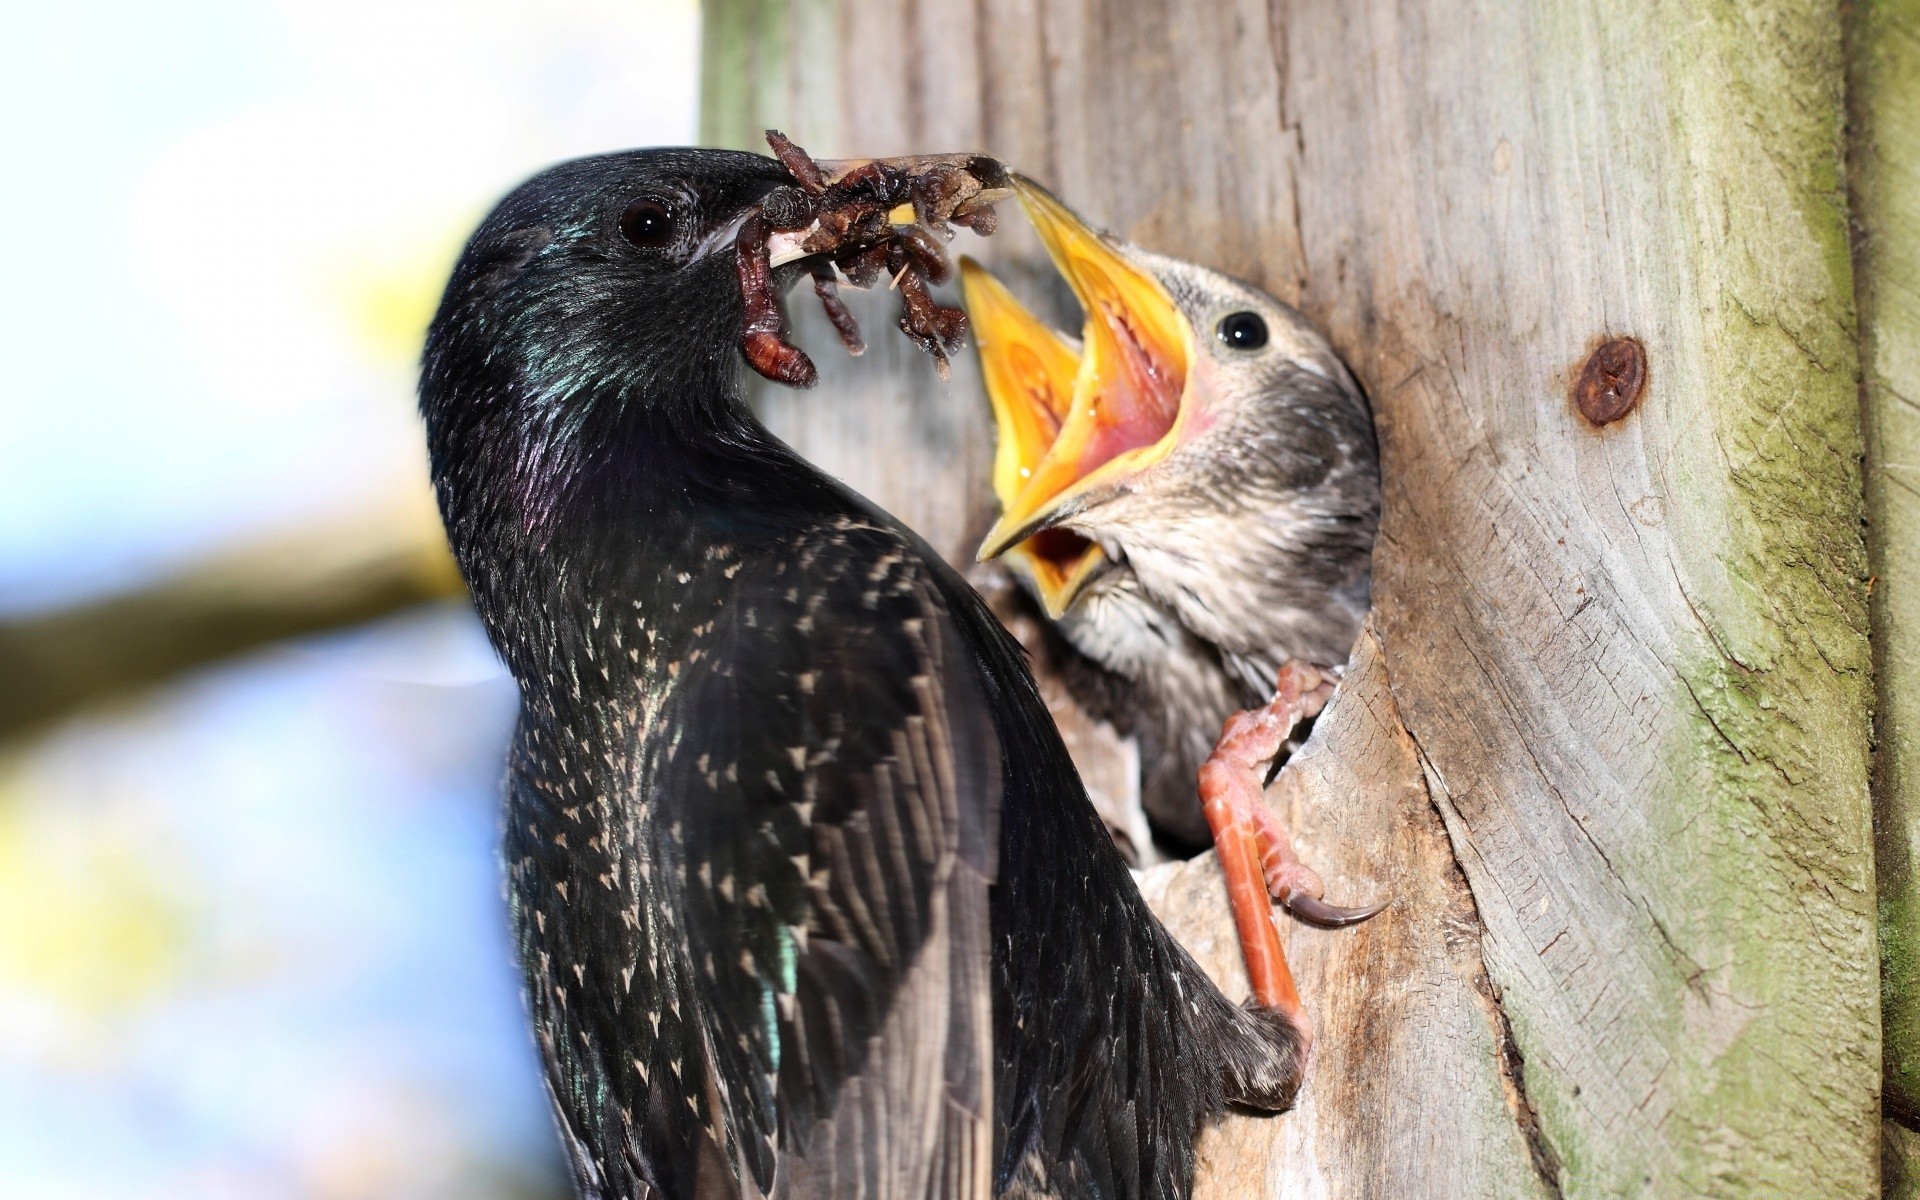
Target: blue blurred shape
x=252 y=942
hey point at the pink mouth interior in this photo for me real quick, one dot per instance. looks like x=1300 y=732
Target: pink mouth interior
x=1136 y=409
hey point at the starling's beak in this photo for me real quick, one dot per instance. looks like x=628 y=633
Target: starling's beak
x=783 y=248
x=1126 y=410
x=1029 y=371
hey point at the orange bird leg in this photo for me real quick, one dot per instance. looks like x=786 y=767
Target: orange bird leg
x=1229 y=792
x=1256 y=855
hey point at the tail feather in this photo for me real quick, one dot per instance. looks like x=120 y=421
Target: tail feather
x=1262 y=1058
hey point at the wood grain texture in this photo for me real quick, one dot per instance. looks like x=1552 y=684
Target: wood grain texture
x=1410 y=1091
x=1884 y=179
x=1900 y=1163
x=1632 y=661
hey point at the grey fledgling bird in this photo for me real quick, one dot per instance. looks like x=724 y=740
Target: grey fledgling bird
x=1191 y=490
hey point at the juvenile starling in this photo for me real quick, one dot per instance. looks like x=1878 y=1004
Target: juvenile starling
x=809 y=898
x=1191 y=490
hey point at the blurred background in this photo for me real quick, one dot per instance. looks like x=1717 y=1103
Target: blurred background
x=251 y=935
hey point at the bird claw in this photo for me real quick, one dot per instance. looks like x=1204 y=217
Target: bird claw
x=1256 y=855
x=843 y=214
x=1329 y=916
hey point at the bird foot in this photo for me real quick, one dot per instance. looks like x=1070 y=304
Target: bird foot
x=1256 y=854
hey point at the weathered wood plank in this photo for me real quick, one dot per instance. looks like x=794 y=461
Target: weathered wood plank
x=1633 y=660
x=1900 y=1162
x=1884 y=179
x=1411 y=1092
x=1635 y=657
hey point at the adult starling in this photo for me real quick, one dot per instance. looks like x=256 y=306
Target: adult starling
x=1191 y=491
x=809 y=898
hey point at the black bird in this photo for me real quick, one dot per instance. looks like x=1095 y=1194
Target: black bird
x=809 y=898
x=1191 y=490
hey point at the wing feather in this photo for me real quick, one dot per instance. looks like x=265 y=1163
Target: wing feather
x=782 y=923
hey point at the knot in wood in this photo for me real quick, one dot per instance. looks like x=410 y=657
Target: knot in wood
x=1611 y=380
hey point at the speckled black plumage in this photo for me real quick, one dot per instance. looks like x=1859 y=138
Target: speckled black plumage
x=809 y=898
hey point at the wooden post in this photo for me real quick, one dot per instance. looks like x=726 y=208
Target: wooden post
x=1884 y=179
x=1609 y=742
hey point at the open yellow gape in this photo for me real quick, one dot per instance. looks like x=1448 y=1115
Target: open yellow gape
x=1074 y=421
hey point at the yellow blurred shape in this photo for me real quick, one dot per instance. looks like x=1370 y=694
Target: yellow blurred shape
x=390 y=297
x=84 y=920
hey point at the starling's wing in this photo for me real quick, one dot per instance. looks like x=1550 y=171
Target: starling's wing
x=808 y=1011
x=1112 y=1046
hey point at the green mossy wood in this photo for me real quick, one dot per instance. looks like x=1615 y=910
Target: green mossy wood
x=1622 y=671
x=1884 y=174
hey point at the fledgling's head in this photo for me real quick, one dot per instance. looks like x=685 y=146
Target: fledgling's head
x=1198 y=426
x=594 y=284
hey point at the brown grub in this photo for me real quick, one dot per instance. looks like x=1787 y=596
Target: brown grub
x=827 y=288
x=763 y=328
x=1611 y=380
x=843 y=210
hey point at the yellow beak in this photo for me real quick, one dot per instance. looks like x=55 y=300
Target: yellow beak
x=1029 y=371
x=1125 y=409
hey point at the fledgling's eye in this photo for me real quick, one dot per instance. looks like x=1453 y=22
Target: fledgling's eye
x=648 y=224
x=1243 y=331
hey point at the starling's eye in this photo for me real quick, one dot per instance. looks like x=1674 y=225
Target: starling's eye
x=648 y=224
x=1243 y=331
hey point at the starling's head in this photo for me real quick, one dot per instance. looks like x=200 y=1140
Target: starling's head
x=602 y=282
x=1191 y=401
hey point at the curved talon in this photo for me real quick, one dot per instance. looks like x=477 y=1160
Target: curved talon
x=1328 y=916
x=1256 y=855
